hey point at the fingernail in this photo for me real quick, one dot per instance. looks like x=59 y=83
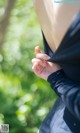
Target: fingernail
x=46 y=58
x=37 y=47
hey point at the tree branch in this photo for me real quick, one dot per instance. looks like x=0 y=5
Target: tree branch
x=5 y=21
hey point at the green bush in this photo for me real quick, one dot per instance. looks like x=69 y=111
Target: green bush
x=24 y=98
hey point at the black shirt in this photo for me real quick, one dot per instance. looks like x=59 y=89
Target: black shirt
x=65 y=83
x=68 y=53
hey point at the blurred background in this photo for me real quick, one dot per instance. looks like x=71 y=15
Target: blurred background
x=25 y=99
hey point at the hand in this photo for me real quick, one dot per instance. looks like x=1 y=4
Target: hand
x=41 y=67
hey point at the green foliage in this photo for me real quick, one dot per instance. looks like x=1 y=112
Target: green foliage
x=24 y=98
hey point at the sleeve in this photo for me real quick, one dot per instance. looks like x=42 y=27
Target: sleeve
x=68 y=90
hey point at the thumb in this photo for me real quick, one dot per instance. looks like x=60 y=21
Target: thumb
x=37 y=50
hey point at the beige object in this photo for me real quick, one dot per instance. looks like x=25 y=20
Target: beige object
x=54 y=19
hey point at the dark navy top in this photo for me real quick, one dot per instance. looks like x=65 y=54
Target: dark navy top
x=65 y=114
x=68 y=53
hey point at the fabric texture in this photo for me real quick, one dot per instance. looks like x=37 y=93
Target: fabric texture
x=69 y=92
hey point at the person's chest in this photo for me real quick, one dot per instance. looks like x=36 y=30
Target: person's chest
x=54 y=19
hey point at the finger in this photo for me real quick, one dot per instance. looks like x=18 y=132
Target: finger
x=42 y=56
x=34 y=69
x=37 y=50
x=37 y=69
x=35 y=60
x=39 y=61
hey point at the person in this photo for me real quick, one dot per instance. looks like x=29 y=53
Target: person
x=60 y=64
